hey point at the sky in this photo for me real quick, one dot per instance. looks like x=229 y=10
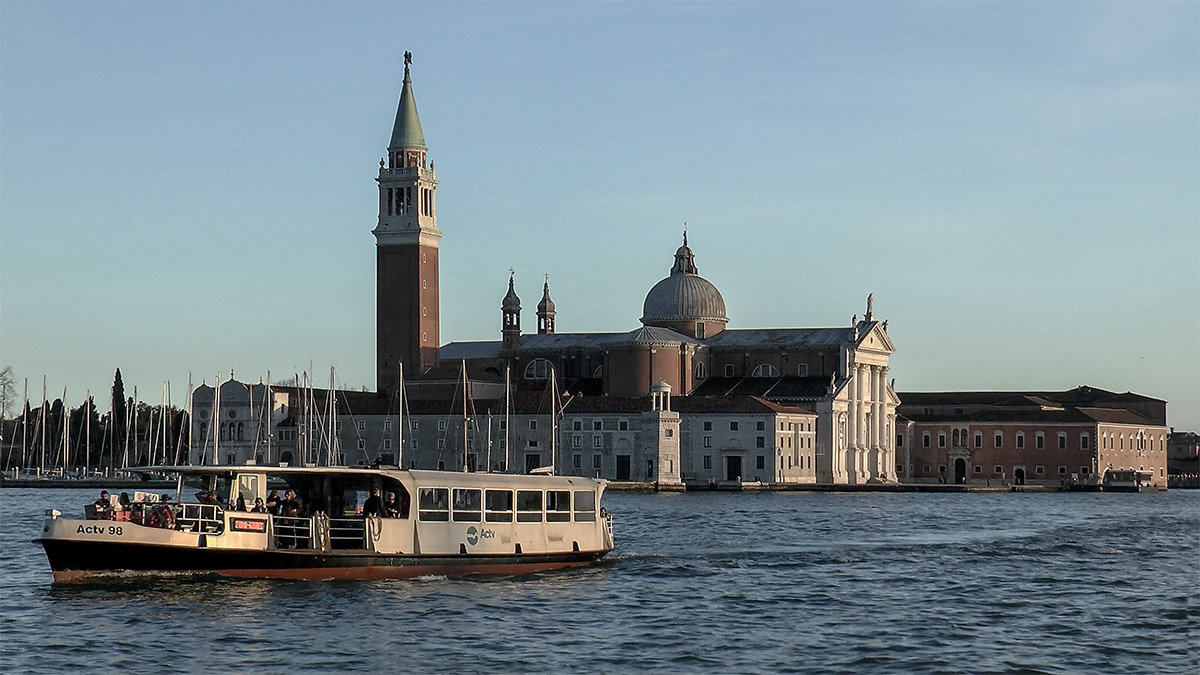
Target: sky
x=187 y=189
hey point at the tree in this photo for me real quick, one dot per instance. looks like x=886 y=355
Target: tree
x=116 y=429
x=8 y=391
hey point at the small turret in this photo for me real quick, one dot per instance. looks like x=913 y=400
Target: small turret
x=510 y=310
x=545 y=311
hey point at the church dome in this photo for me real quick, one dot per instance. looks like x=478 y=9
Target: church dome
x=684 y=295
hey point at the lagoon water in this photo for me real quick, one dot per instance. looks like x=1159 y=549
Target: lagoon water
x=700 y=582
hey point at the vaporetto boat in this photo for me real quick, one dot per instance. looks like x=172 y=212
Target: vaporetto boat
x=432 y=523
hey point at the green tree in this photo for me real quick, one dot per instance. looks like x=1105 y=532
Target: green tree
x=8 y=391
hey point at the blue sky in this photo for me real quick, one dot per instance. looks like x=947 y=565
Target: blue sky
x=189 y=187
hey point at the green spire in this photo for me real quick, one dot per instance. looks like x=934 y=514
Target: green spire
x=407 y=131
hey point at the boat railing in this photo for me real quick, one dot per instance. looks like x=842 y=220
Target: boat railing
x=292 y=531
x=347 y=533
x=206 y=518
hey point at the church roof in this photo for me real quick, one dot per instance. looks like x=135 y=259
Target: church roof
x=406 y=133
x=783 y=337
x=684 y=295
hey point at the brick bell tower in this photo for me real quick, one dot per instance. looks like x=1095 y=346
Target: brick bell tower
x=406 y=245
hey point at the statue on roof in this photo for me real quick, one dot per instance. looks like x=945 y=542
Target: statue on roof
x=407 y=59
x=870 y=307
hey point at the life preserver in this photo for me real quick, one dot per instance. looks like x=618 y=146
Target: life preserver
x=161 y=516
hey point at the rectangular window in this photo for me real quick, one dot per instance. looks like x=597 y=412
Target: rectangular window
x=577 y=425
x=941 y=439
x=597 y=441
x=441 y=444
x=584 y=502
x=925 y=439
x=1039 y=470
x=978 y=439
x=999 y=440
x=1084 y=441
x=899 y=440
x=387 y=425
x=532 y=443
x=708 y=441
x=760 y=462
x=997 y=469
x=533 y=425
x=558 y=506
x=441 y=425
x=760 y=426
x=802 y=370
x=978 y=468
x=623 y=425
x=597 y=425
x=669 y=432
x=760 y=442
x=1020 y=439
x=434 y=504
x=708 y=461
x=503 y=425
x=1062 y=440
x=415 y=425
x=1039 y=440
x=733 y=426
x=1083 y=470
x=362 y=425
x=499 y=506
x=577 y=461
x=728 y=370
x=387 y=444
x=708 y=426
x=529 y=506
x=596 y=461
x=925 y=468
x=467 y=505
x=1062 y=470
x=362 y=444
x=577 y=441
x=412 y=443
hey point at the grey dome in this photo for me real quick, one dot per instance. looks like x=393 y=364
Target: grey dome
x=684 y=295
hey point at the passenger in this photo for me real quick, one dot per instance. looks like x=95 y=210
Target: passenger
x=123 y=500
x=102 y=508
x=162 y=515
x=259 y=506
x=273 y=502
x=404 y=502
x=241 y=503
x=392 y=505
x=290 y=506
x=373 y=506
x=210 y=498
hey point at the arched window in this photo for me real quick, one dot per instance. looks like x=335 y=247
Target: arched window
x=241 y=431
x=765 y=370
x=701 y=370
x=538 y=369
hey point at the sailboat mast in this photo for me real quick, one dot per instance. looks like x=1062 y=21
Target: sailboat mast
x=87 y=439
x=42 y=457
x=24 y=424
x=507 y=423
x=190 y=409
x=464 y=416
x=332 y=420
x=216 y=432
x=553 y=422
x=269 y=409
x=400 y=420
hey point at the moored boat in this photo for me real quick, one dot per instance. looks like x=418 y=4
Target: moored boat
x=340 y=523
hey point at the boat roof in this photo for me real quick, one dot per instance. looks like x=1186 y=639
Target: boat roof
x=420 y=476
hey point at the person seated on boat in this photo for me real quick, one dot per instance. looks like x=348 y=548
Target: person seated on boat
x=102 y=507
x=162 y=515
x=392 y=505
x=259 y=506
x=373 y=506
x=273 y=502
x=210 y=498
x=241 y=504
x=124 y=502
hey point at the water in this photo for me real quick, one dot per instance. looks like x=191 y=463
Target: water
x=714 y=582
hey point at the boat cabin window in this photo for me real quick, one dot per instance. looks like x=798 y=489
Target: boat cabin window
x=529 y=506
x=434 y=504
x=585 y=506
x=558 y=506
x=467 y=505
x=249 y=486
x=499 y=506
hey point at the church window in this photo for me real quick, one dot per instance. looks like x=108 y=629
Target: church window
x=802 y=370
x=765 y=370
x=700 y=329
x=701 y=371
x=728 y=370
x=537 y=369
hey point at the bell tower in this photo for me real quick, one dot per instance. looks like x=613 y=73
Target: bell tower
x=406 y=250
